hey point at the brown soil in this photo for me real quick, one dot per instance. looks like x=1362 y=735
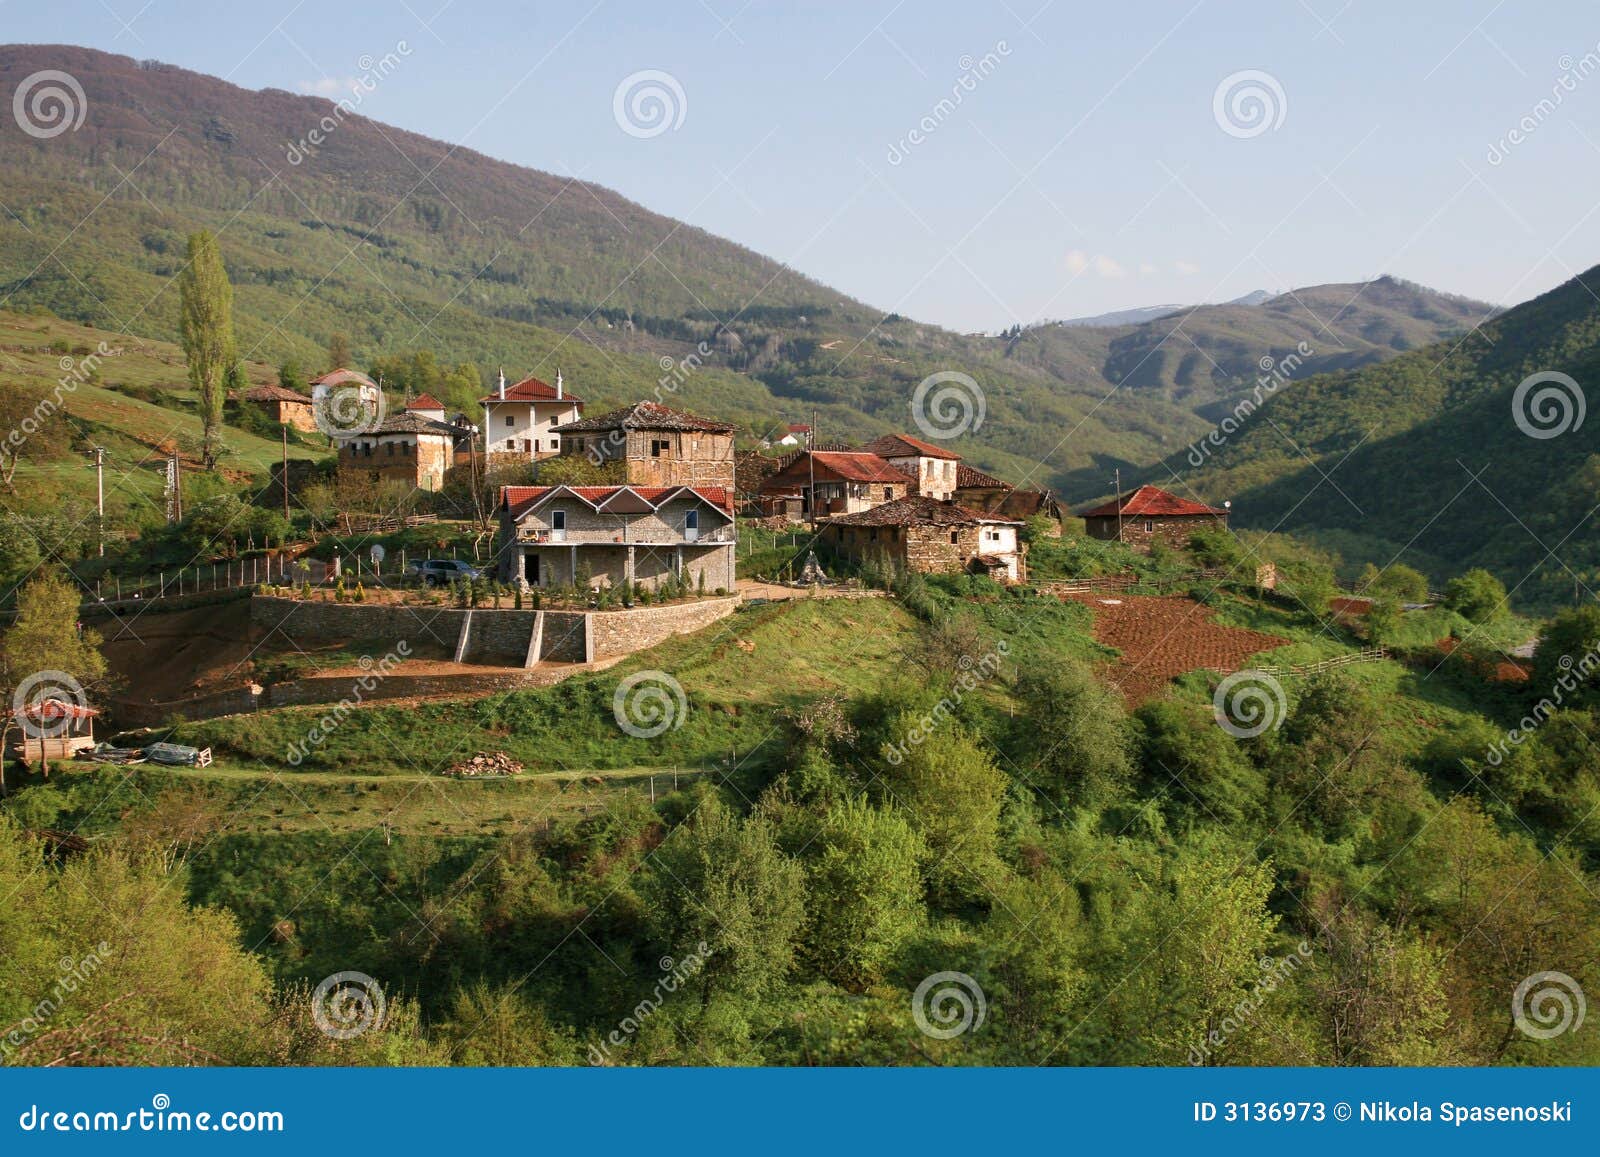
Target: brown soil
x=1163 y=637
x=160 y=655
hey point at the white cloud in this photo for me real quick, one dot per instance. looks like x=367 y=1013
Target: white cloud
x=1078 y=262
x=1186 y=268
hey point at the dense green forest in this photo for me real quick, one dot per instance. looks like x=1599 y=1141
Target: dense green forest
x=858 y=801
x=1431 y=455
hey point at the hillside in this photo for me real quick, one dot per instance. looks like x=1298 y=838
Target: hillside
x=1424 y=454
x=136 y=405
x=406 y=243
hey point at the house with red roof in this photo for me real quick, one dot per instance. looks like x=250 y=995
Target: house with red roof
x=612 y=535
x=932 y=468
x=519 y=421
x=1150 y=514
x=820 y=483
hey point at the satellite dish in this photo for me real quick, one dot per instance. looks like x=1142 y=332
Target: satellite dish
x=377 y=553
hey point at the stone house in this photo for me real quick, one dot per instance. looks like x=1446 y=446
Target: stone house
x=658 y=446
x=931 y=468
x=932 y=537
x=990 y=495
x=282 y=405
x=519 y=421
x=1150 y=515
x=843 y=481
x=405 y=447
x=555 y=535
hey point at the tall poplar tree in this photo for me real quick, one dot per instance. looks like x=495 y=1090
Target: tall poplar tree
x=207 y=308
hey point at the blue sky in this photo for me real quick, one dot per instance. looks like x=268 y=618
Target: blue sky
x=1087 y=165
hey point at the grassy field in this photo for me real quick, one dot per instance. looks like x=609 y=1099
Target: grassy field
x=139 y=407
x=738 y=677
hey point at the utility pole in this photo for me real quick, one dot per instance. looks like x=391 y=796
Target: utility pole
x=1118 y=476
x=811 y=463
x=100 y=495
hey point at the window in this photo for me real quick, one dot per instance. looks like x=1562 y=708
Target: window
x=366 y=449
x=1149 y=527
x=691 y=520
x=405 y=448
x=527 y=446
x=536 y=445
x=390 y=448
x=511 y=420
x=888 y=493
x=955 y=537
x=660 y=448
x=558 y=520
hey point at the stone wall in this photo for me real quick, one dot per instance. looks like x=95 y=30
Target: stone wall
x=623 y=632
x=501 y=637
x=1140 y=533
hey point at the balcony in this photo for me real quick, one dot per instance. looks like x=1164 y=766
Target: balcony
x=720 y=536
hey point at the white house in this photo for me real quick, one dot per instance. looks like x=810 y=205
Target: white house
x=520 y=420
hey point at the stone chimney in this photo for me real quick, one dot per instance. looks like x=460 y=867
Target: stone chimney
x=502 y=383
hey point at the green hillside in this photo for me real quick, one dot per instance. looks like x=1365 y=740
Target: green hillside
x=1424 y=455
x=405 y=243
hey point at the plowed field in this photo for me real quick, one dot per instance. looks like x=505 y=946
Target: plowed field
x=1161 y=637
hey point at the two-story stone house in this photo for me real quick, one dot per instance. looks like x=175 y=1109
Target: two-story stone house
x=560 y=535
x=657 y=445
x=520 y=421
x=822 y=483
x=931 y=468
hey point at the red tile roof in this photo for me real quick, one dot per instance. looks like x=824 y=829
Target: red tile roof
x=794 y=429
x=531 y=389
x=340 y=376
x=425 y=402
x=905 y=446
x=519 y=499
x=836 y=466
x=1151 y=501
x=971 y=476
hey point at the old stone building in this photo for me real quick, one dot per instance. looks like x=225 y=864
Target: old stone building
x=1149 y=515
x=519 y=421
x=405 y=447
x=832 y=482
x=931 y=468
x=932 y=537
x=282 y=405
x=657 y=445
x=559 y=535
x=990 y=495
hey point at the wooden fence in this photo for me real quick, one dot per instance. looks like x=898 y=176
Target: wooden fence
x=1367 y=655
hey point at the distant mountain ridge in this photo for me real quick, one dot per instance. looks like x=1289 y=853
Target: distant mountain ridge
x=1432 y=456
x=1141 y=314
x=406 y=243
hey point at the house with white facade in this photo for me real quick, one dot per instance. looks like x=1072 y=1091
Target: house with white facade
x=933 y=469
x=519 y=421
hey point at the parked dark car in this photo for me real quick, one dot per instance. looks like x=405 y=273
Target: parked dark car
x=436 y=572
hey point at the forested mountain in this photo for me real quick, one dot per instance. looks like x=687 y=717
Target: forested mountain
x=1429 y=453
x=406 y=243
